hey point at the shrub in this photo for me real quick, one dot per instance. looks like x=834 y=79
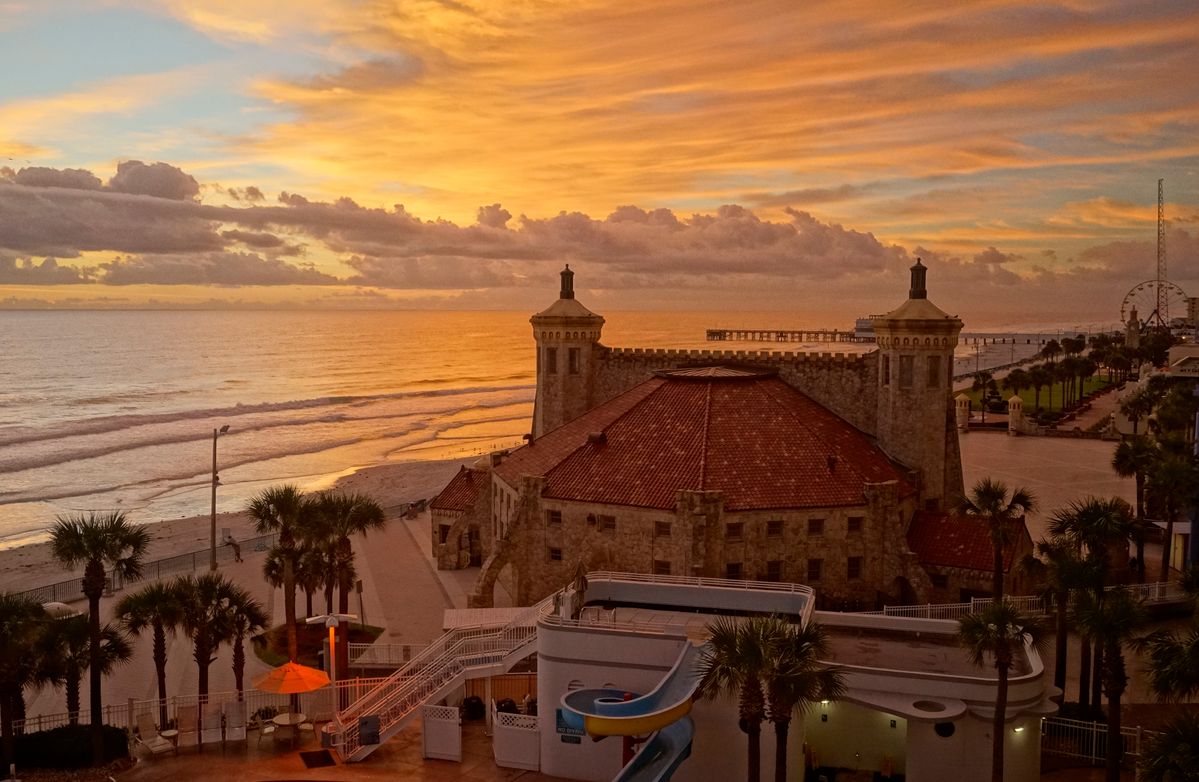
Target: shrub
x=68 y=747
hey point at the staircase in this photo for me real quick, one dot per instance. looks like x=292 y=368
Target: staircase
x=434 y=673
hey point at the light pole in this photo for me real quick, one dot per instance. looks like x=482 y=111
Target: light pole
x=331 y=621
x=215 y=482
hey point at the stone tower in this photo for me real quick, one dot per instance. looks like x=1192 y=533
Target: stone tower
x=567 y=336
x=915 y=406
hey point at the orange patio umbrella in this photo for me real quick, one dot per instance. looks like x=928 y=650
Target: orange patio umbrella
x=291 y=678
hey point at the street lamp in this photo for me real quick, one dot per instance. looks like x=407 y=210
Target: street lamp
x=331 y=621
x=215 y=482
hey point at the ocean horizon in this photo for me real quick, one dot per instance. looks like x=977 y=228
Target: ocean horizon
x=115 y=409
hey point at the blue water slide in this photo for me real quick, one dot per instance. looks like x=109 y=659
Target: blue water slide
x=662 y=712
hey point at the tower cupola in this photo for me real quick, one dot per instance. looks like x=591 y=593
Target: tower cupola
x=567 y=336
x=568 y=284
x=918 y=289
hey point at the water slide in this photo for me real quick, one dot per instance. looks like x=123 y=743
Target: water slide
x=662 y=712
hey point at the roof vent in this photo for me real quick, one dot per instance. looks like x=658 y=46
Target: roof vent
x=597 y=438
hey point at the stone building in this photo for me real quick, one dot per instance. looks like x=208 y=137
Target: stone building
x=745 y=464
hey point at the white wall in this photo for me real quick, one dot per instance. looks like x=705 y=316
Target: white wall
x=856 y=737
x=966 y=756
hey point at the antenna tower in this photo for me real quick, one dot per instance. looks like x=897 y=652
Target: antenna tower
x=1163 y=302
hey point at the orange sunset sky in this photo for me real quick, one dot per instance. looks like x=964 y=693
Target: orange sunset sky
x=726 y=155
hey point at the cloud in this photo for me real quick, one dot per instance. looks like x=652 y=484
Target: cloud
x=160 y=180
x=48 y=272
x=223 y=268
x=40 y=176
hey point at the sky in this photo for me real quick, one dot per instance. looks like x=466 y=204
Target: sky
x=757 y=155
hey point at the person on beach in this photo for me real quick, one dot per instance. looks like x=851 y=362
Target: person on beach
x=236 y=550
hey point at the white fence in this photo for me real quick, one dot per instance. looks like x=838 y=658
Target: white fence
x=1088 y=740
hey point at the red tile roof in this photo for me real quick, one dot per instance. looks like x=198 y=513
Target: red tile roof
x=945 y=540
x=460 y=493
x=761 y=442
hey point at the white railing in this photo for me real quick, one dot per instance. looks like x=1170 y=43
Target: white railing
x=723 y=583
x=513 y=720
x=398 y=697
x=383 y=655
x=1087 y=740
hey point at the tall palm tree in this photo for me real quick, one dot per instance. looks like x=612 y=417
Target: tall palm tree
x=206 y=604
x=1172 y=482
x=1112 y=621
x=795 y=679
x=983 y=381
x=1016 y=381
x=155 y=607
x=66 y=653
x=1003 y=511
x=1134 y=458
x=247 y=618
x=102 y=543
x=993 y=634
x=1059 y=569
x=1172 y=755
x=1038 y=377
x=21 y=623
x=734 y=663
x=285 y=511
x=344 y=516
x=1136 y=407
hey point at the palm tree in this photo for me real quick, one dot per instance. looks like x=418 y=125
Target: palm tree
x=248 y=617
x=1172 y=755
x=347 y=515
x=156 y=607
x=795 y=679
x=66 y=654
x=1039 y=376
x=1173 y=664
x=284 y=510
x=1172 y=482
x=994 y=633
x=1134 y=458
x=1112 y=621
x=21 y=624
x=1016 y=381
x=735 y=662
x=1003 y=512
x=99 y=542
x=1059 y=569
x=1136 y=407
x=1051 y=350
x=207 y=617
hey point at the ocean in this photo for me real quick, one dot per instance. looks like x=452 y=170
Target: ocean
x=108 y=410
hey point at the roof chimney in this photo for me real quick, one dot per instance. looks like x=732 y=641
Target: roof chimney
x=918 y=290
x=597 y=438
x=568 y=284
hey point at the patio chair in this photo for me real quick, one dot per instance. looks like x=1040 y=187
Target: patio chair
x=263 y=725
x=211 y=727
x=235 y=721
x=285 y=733
x=189 y=726
x=148 y=736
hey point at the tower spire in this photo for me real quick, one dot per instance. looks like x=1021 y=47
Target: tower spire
x=918 y=289
x=568 y=284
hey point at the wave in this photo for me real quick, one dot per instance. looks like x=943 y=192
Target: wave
x=106 y=424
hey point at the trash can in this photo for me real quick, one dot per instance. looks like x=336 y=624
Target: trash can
x=368 y=729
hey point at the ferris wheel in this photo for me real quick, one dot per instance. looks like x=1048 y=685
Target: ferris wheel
x=1144 y=299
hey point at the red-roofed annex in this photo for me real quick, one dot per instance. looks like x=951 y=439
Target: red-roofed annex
x=765 y=466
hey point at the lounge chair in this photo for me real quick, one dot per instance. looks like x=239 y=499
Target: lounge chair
x=189 y=726
x=235 y=721
x=212 y=729
x=148 y=736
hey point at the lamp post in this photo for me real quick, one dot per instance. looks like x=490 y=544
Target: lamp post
x=332 y=621
x=215 y=481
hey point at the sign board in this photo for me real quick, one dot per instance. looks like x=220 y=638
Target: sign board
x=565 y=728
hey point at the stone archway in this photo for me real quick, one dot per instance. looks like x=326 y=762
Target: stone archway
x=903 y=592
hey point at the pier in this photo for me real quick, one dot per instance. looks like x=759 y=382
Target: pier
x=785 y=335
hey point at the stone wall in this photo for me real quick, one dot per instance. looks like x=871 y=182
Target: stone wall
x=844 y=383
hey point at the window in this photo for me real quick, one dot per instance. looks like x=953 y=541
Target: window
x=934 y=371
x=606 y=523
x=551 y=361
x=555 y=555
x=572 y=360
x=443 y=532
x=940 y=580
x=855 y=524
x=815 y=566
x=661 y=567
x=774 y=570
x=815 y=526
x=734 y=530
x=906 y=367
x=553 y=517
x=853 y=570
x=885 y=373
x=661 y=529
x=733 y=570
x=774 y=528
